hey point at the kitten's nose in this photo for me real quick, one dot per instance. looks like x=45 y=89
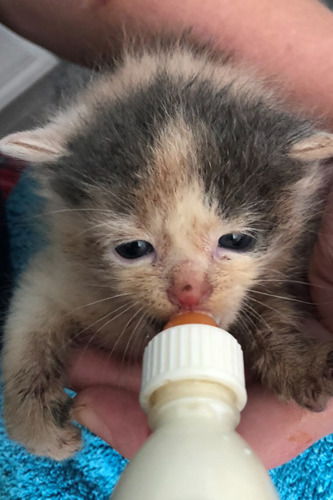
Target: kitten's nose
x=189 y=293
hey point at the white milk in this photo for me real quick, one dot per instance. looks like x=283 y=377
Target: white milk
x=193 y=390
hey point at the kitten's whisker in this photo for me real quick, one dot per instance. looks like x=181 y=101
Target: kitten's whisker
x=251 y=310
x=241 y=321
x=245 y=324
x=263 y=304
x=136 y=345
x=87 y=328
x=96 y=332
x=117 y=316
x=132 y=334
x=123 y=332
x=101 y=319
x=98 y=302
x=281 y=280
x=297 y=282
x=142 y=322
x=95 y=226
x=290 y=299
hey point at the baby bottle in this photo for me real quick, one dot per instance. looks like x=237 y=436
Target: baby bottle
x=193 y=391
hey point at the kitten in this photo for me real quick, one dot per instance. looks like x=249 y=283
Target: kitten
x=174 y=182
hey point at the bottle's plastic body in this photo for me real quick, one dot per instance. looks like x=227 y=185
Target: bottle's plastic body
x=193 y=390
x=194 y=452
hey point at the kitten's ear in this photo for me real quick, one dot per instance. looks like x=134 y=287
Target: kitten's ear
x=318 y=146
x=35 y=146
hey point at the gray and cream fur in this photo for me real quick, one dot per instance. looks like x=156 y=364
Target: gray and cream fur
x=176 y=149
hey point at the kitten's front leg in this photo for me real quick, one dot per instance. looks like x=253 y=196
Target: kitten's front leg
x=287 y=361
x=36 y=408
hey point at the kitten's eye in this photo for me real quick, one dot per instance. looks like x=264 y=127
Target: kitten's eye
x=237 y=241
x=134 y=249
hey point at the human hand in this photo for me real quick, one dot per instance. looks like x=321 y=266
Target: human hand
x=108 y=400
x=108 y=404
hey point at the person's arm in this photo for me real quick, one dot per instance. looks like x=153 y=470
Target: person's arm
x=290 y=41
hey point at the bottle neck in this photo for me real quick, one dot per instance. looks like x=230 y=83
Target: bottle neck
x=195 y=400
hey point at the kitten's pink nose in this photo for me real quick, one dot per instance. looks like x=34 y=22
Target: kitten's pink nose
x=190 y=292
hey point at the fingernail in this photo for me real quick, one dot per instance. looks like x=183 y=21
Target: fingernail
x=88 y=418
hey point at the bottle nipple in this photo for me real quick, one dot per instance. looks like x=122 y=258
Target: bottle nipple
x=192 y=347
x=190 y=318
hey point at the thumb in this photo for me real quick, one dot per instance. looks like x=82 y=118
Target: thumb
x=114 y=415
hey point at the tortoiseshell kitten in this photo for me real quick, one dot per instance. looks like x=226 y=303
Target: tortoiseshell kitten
x=174 y=182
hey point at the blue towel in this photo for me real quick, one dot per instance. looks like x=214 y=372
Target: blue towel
x=93 y=472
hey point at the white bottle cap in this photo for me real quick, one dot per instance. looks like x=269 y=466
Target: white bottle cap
x=193 y=352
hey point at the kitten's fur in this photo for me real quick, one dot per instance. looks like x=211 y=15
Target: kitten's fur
x=177 y=149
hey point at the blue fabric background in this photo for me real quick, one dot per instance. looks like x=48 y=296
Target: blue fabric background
x=94 y=471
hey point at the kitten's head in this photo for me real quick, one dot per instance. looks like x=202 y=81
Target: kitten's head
x=181 y=183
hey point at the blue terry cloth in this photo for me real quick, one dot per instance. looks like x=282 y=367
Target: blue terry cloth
x=93 y=472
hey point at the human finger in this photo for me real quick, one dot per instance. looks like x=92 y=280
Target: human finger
x=114 y=415
x=93 y=367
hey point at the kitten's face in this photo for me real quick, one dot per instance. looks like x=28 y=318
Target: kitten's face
x=182 y=185
x=187 y=232
x=175 y=249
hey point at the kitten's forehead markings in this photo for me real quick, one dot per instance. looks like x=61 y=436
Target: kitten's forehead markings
x=173 y=168
x=173 y=153
x=173 y=198
x=174 y=203
x=168 y=170
x=137 y=72
x=190 y=223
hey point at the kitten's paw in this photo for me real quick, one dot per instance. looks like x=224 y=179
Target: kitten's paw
x=313 y=397
x=43 y=426
x=60 y=445
x=316 y=388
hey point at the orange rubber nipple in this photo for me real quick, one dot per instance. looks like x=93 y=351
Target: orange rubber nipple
x=190 y=318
